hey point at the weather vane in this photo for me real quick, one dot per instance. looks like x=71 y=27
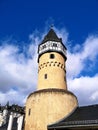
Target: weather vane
x=51 y=26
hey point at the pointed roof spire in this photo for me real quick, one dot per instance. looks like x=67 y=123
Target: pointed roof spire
x=55 y=44
x=51 y=27
x=51 y=36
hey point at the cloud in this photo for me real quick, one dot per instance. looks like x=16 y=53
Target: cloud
x=86 y=88
x=13 y=96
x=90 y=49
x=18 y=68
x=94 y=96
x=74 y=64
x=84 y=59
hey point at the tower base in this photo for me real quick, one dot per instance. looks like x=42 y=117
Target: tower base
x=47 y=106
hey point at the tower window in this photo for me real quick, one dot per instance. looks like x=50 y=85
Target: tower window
x=45 y=76
x=52 y=56
x=54 y=45
x=65 y=78
x=44 y=46
x=29 y=112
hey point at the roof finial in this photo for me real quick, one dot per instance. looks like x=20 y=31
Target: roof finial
x=51 y=27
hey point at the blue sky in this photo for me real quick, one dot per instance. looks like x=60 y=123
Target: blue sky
x=18 y=18
x=23 y=24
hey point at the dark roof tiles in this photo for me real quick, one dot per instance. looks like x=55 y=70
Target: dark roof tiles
x=84 y=113
x=51 y=36
x=81 y=116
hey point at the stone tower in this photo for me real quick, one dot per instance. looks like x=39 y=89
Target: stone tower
x=52 y=101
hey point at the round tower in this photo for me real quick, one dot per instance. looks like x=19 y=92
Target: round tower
x=51 y=61
x=52 y=101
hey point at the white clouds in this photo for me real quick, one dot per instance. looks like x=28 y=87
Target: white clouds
x=12 y=96
x=94 y=96
x=74 y=64
x=16 y=70
x=62 y=33
x=90 y=48
x=77 y=61
x=18 y=73
x=86 y=88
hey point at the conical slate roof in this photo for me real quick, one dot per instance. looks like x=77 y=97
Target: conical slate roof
x=53 y=39
x=51 y=36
